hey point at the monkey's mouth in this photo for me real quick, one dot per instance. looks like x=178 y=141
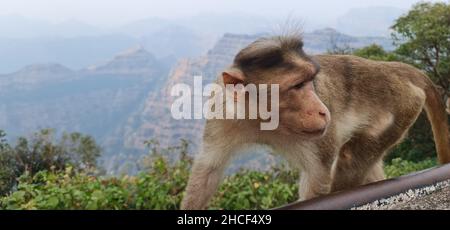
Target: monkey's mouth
x=317 y=132
x=308 y=133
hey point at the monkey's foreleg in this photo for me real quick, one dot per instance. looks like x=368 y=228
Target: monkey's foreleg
x=376 y=173
x=202 y=184
x=314 y=183
x=205 y=177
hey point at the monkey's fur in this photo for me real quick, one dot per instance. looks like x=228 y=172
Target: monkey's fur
x=335 y=129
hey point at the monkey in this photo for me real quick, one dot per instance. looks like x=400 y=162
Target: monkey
x=339 y=115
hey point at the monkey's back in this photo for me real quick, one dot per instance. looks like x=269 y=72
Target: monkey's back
x=369 y=83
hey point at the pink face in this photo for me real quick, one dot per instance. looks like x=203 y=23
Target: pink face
x=301 y=110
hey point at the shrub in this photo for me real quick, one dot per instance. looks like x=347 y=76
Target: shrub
x=161 y=185
x=398 y=167
x=43 y=151
x=162 y=188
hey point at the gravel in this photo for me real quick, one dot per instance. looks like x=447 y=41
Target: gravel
x=434 y=197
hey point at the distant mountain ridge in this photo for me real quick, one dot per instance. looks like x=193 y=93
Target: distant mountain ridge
x=135 y=60
x=369 y=21
x=95 y=101
x=77 y=44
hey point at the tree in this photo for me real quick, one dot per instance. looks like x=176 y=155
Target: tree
x=3 y=142
x=8 y=171
x=423 y=37
x=337 y=44
x=375 y=52
x=43 y=151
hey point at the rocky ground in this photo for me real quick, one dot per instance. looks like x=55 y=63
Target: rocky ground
x=435 y=197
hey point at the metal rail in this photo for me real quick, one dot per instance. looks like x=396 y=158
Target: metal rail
x=372 y=192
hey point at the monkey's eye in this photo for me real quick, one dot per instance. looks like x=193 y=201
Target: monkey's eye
x=300 y=85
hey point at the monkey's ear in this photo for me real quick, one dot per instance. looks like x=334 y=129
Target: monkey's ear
x=233 y=77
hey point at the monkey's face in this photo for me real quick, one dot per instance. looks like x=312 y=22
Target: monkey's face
x=301 y=110
x=282 y=61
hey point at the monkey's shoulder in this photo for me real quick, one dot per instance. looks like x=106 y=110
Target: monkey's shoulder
x=354 y=67
x=355 y=62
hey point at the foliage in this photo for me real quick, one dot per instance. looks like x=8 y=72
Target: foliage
x=257 y=190
x=375 y=52
x=3 y=142
x=68 y=190
x=340 y=50
x=423 y=36
x=44 y=152
x=399 y=167
x=8 y=173
x=161 y=187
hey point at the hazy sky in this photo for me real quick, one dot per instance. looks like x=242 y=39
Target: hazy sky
x=112 y=12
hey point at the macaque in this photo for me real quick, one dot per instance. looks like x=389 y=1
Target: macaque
x=338 y=117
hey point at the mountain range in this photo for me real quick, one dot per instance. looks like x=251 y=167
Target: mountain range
x=77 y=44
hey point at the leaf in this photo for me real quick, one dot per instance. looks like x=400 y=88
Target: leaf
x=52 y=202
x=91 y=206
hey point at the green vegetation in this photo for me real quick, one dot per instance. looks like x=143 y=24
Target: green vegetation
x=399 y=167
x=422 y=37
x=161 y=186
x=44 y=172
x=44 y=152
x=376 y=52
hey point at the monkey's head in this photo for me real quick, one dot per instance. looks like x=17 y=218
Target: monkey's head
x=281 y=60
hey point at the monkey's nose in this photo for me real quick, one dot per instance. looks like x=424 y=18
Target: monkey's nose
x=325 y=115
x=311 y=113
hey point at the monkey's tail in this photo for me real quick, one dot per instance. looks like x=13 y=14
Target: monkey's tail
x=435 y=108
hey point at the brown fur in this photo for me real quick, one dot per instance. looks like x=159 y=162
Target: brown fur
x=447 y=104
x=372 y=105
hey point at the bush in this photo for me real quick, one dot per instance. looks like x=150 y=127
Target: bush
x=161 y=188
x=375 y=52
x=257 y=190
x=399 y=167
x=161 y=184
x=43 y=151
